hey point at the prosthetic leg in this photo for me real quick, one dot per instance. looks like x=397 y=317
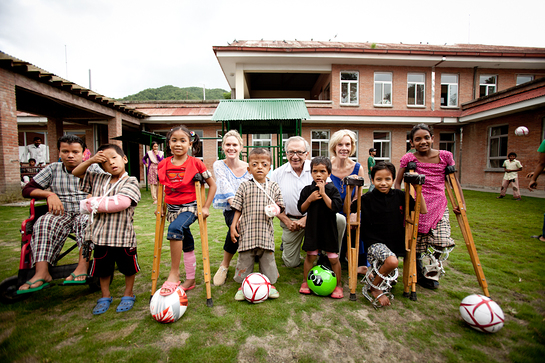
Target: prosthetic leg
x=353 y=248
x=413 y=186
x=160 y=216
x=456 y=197
x=201 y=197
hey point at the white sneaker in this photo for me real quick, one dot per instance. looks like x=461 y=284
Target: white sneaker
x=239 y=296
x=220 y=276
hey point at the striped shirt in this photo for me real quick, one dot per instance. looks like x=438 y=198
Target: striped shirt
x=256 y=229
x=64 y=184
x=111 y=229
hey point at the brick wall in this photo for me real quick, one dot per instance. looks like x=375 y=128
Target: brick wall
x=9 y=149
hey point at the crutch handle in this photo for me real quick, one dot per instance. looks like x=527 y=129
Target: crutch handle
x=411 y=166
x=354 y=180
x=450 y=169
x=414 y=179
x=199 y=178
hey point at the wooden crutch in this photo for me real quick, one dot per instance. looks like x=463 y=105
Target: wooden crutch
x=413 y=185
x=201 y=197
x=455 y=195
x=352 y=250
x=160 y=216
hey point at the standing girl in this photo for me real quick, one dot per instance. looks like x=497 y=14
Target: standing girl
x=151 y=160
x=434 y=227
x=176 y=174
x=229 y=173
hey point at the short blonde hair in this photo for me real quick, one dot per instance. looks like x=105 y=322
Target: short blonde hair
x=233 y=133
x=336 y=139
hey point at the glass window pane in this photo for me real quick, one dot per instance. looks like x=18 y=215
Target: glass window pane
x=420 y=94
x=446 y=137
x=453 y=101
x=349 y=76
x=388 y=93
x=494 y=147
x=381 y=135
x=449 y=78
x=412 y=77
x=482 y=91
x=412 y=94
x=384 y=77
x=522 y=78
x=378 y=93
x=353 y=93
x=503 y=146
x=495 y=163
x=344 y=92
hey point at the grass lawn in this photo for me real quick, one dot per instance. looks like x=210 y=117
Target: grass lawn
x=56 y=324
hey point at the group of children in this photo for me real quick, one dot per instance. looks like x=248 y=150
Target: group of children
x=114 y=196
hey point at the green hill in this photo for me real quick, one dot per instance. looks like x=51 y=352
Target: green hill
x=176 y=93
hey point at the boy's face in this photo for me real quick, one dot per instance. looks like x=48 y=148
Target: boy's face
x=71 y=154
x=115 y=163
x=512 y=157
x=259 y=166
x=31 y=163
x=383 y=180
x=319 y=173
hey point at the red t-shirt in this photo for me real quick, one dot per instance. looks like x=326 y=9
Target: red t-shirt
x=178 y=179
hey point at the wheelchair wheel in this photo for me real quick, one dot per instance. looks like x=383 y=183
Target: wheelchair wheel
x=8 y=289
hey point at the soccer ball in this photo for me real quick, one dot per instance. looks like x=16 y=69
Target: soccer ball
x=482 y=313
x=521 y=131
x=256 y=288
x=168 y=309
x=321 y=280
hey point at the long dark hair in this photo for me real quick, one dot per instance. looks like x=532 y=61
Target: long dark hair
x=193 y=137
x=420 y=127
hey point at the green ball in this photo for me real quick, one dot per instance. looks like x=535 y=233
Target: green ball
x=321 y=280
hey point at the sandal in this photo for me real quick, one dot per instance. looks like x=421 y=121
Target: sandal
x=30 y=289
x=74 y=281
x=103 y=304
x=170 y=287
x=188 y=288
x=337 y=293
x=304 y=289
x=126 y=304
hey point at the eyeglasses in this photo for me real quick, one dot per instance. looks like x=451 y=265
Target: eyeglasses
x=299 y=153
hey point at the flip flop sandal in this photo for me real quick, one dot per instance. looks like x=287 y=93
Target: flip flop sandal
x=170 y=287
x=188 y=288
x=305 y=290
x=33 y=289
x=126 y=304
x=103 y=304
x=337 y=293
x=74 y=281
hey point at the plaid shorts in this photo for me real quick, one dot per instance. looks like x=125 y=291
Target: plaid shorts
x=50 y=233
x=378 y=252
x=437 y=237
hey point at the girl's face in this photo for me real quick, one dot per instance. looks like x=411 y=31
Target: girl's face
x=179 y=143
x=422 y=141
x=231 y=147
x=344 y=147
x=383 y=180
x=155 y=147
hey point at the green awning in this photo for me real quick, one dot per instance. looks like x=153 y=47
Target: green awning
x=261 y=110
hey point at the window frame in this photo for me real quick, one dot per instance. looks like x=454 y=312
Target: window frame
x=325 y=152
x=349 y=83
x=490 y=138
x=416 y=84
x=449 y=92
x=382 y=83
x=444 y=143
x=379 y=156
x=487 y=85
x=201 y=141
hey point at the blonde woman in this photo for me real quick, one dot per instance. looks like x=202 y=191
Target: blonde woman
x=342 y=145
x=229 y=174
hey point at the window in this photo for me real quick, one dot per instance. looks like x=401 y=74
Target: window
x=487 y=85
x=383 y=88
x=219 y=141
x=497 y=146
x=523 y=78
x=447 y=141
x=381 y=142
x=349 y=88
x=264 y=140
x=319 y=142
x=449 y=90
x=408 y=145
x=199 y=155
x=285 y=138
x=415 y=89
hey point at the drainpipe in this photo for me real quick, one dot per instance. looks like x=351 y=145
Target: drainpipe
x=460 y=156
x=433 y=82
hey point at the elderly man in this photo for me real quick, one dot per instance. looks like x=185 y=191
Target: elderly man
x=59 y=187
x=292 y=177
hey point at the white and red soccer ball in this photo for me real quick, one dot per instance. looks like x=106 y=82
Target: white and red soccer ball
x=521 y=131
x=168 y=309
x=482 y=313
x=256 y=288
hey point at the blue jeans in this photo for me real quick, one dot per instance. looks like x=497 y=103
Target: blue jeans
x=179 y=230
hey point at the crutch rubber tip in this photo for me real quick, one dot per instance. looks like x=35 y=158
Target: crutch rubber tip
x=353 y=297
x=209 y=303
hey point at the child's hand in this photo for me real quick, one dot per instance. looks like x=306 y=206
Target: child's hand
x=314 y=196
x=321 y=187
x=205 y=212
x=234 y=234
x=98 y=158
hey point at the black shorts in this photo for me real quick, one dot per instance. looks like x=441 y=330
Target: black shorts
x=106 y=257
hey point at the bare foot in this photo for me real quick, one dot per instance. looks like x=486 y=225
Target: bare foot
x=383 y=300
x=362 y=270
x=542 y=239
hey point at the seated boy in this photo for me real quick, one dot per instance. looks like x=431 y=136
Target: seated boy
x=383 y=229
x=110 y=228
x=256 y=230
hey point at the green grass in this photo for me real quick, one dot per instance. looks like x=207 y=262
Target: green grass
x=56 y=325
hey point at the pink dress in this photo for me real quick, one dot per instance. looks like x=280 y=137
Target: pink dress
x=433 y=189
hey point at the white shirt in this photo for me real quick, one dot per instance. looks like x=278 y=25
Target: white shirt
x=35 y=152
x=291 y=185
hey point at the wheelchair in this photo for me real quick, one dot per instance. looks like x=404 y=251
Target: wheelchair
x=9 y=287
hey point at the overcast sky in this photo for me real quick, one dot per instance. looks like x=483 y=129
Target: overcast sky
x=131 y=45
